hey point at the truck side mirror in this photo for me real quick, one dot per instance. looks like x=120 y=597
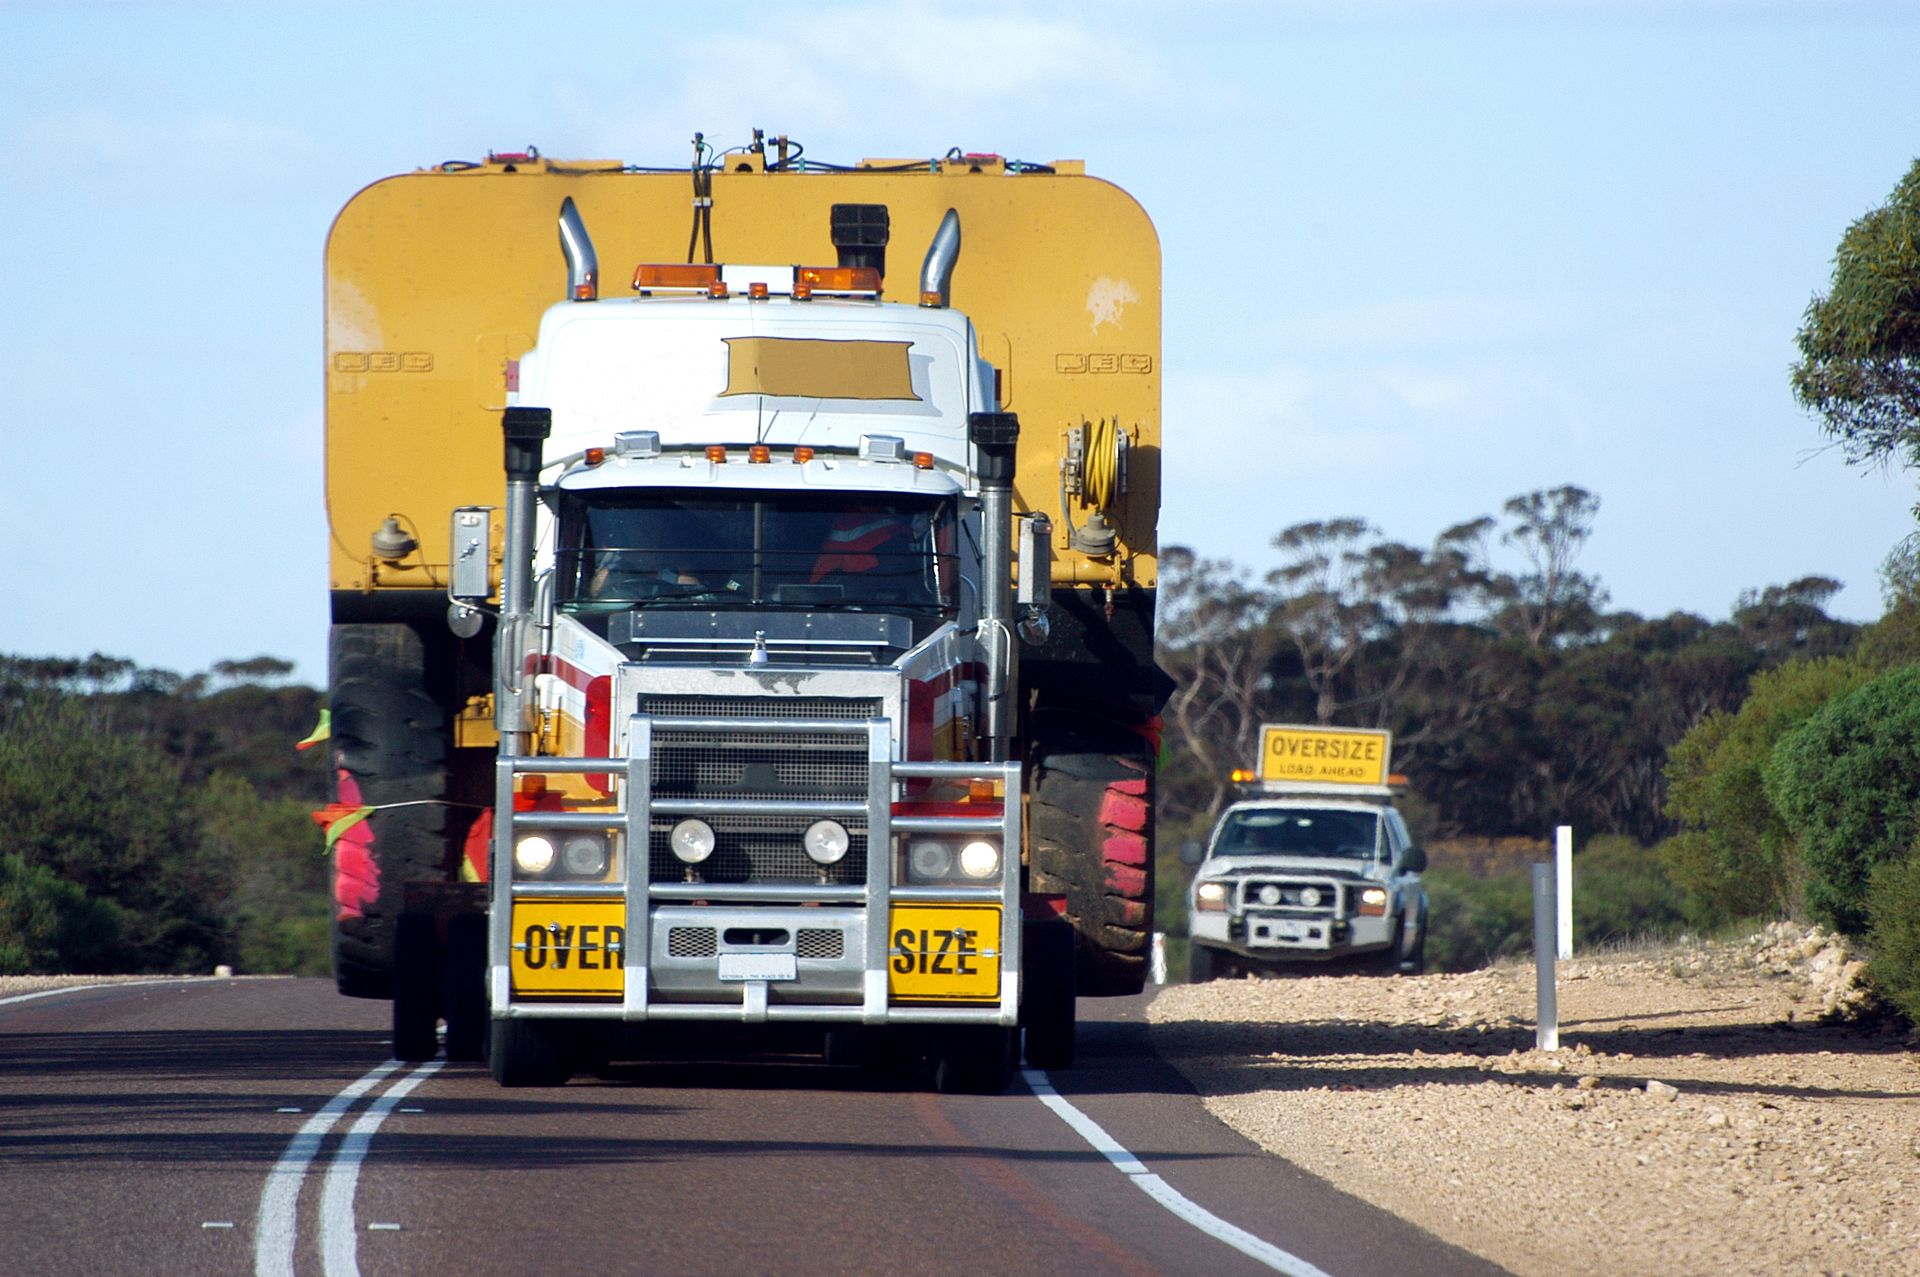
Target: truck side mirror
x=1191 y=852
x=1415 y=861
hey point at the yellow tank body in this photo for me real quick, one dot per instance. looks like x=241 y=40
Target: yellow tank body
x=436 y=280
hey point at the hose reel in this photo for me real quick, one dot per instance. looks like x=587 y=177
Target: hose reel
x=1093 y=476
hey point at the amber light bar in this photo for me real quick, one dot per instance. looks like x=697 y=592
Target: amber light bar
x=697 y=277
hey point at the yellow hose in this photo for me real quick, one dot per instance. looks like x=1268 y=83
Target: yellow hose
x=1102 y=465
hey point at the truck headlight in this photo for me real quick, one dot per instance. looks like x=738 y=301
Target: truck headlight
x=979 y=860
x=583 y=856
x=1373 y=902
x=826 y=841
x=533 y=855
x=692 y=840
x=928 y=859
x=1210 y=897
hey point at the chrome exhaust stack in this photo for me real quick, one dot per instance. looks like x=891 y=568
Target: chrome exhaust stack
x=583 y=264
x=936 y=273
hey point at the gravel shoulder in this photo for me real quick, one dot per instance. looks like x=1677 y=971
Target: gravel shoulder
x=1712 y=1109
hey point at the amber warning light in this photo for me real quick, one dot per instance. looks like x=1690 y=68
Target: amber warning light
x=675 y=275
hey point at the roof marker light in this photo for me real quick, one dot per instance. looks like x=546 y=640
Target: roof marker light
x=802 y=455
x=688 y=275
x=836 y=279
x=717 y=290
x=596 y=455
x=923 y=461
x=759 y=454
x=757 y=290
x=716 y=452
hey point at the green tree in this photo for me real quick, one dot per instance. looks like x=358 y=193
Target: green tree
x=48 y=926
x=1847 y=783
x=1736 y=857
x=106 y=810
x=1859 y=365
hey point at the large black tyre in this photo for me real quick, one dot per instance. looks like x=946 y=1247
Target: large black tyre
x=1411 y=959
x=465 y=997
x=1047 y=998
x=1202 y=964
x=391 y=744
x=416 y=988
x=529 y=1053
x=1090 y=838
x=974 y=1059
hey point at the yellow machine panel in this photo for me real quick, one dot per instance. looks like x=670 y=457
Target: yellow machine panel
x=436 y=281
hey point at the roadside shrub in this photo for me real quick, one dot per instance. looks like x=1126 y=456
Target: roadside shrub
x=1736 y=858
x=1893 y=933
x=1622 y=891
x=1847 y=783
x=48 y=926
x=1472 y=921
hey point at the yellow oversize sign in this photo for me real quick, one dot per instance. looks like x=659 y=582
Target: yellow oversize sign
x=1325 y=755
x=944 y=953
x=569 y=948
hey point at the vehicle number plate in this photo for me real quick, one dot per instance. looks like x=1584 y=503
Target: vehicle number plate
x=569 y=948
x=1289 y=929
x=944 y=953
x=757 y=966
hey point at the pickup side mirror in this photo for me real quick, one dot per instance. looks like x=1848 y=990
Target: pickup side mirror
x=1191 y=852
x=1415 y=861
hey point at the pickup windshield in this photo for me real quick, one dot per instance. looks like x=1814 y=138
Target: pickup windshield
x=1327 y=832
x=621 y=549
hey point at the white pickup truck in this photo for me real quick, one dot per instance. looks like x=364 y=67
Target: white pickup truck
x=1309 y=870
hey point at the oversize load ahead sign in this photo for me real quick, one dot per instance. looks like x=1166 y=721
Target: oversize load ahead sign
x=1325 y=755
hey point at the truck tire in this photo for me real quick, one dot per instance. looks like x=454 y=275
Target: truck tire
x=1047 y=1007
x=1090 y=839
x=529 y=1053
x=1202 y=965
x=1411 y=959
x=465 y=998
x=974 y=1059
x=391 y=744
x=416 y=988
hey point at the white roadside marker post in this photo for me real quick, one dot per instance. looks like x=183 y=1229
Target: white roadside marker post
x=1546 y=1034
x=1563 y=882
x=1159 y=963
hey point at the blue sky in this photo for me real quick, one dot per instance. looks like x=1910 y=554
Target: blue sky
x=1419 y=257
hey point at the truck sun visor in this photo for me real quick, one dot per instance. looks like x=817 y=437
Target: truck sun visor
x=811 y=368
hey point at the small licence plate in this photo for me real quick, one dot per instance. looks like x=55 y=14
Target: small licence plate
x=569 y=948
x=757 y=966
x=944 y=953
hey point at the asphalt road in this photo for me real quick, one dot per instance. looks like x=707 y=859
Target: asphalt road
x=259 y=1126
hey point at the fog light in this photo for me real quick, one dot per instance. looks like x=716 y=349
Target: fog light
x=826 y=842
x=1310 y=897
x=1270 y=895
x=584 y=856
x=691 y=840
x=533 y=854
x=979 y=860
x=930 y=859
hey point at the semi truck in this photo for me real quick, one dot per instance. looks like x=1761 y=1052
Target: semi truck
x=764 y=640
x=1313 y=864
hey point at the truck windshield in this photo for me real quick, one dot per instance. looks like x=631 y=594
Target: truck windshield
x=807 y=551
x=1325 y=832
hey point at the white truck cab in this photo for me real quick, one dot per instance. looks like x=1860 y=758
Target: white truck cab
x=1310 y=870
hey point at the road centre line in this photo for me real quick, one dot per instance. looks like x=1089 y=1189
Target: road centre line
x=277 y=1227
x=339 y=1240
x=1162 y=1192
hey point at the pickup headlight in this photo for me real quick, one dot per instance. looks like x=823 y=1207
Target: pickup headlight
x=1373 y=902
x=1210 y=897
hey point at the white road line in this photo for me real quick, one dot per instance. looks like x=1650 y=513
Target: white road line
x=339 y=1241
x=107 y=984
x=1160 y=1191
x=276 y=1228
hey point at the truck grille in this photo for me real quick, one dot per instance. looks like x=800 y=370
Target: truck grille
x=745 y=764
